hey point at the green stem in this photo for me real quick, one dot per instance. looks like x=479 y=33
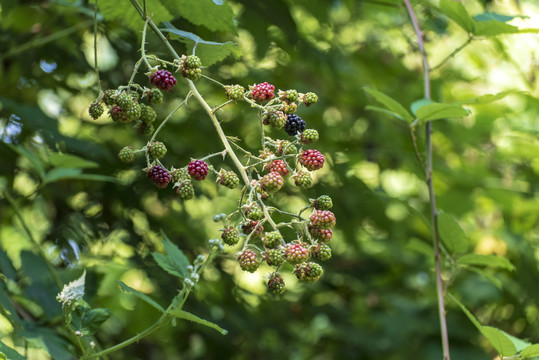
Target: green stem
x=46 y=39
x=33 y=240
x=455 y=52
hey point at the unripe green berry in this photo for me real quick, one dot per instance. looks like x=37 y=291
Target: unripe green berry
x=109 y=97
x=134 y=111
x=303 y=180
x=248 y=260
x=275 y=257
x=321 y=252
x=155 y=96
x=308 y=271
x=310 y=98
x=229 y=179
x=147 y=114
x=289 y=95
x=127 y=154
x=193 y=62
x=234 y=92
x=185 y=190
x=275 y=118
x=124 y=100
x=230 y=236
x=254 y=212
x=95 y=110
x=309 y=136
x=145 y=129
x=272 y=239
x=179 y=174
x=157 y=150
x=276 y=284
x=323 y=202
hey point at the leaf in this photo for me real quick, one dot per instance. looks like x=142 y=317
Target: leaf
x=188 y=316
x=486 y=16
x=499 y=341
x=467 y=312
x=87 y=320
x=530 y=351
x=419 y=103
x=124 y=12
x=488 y=276
x=174 y=262
x=36 y=162
x=390 y=104
x=519 y=343
x=140 y=295
x=9 y=353
x=487 y=98
x=70 y=161
x=382 y=110
x=206 y=13
x=456 y=12
x=486 y=260
x=493 y=28
x=73 y=291
x=436 y=111
x=209 y=52
x=452 y=234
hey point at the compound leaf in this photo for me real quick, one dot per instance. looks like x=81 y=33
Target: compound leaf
x=174 y=262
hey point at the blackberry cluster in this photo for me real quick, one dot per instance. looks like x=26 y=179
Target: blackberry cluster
x=278 y=166
x=272 y=182
x=274 y=257
x=312 y=159
x=95 y=110
x=309 y=136
x=289 y=95
x=230 y=236
x=262 y=92
x=276 y=284
x=127 y=154
x=275 y=118
x=285 y=147
x=272 y=239
x=157 y=150
x=322 y=219
x=308 y=272
x=163 y=79
x=198 y=169
x=322 y=252
x=323 y=202
x=229 y=179
x=185 y=190
x=323 y=235
x=296 y=253
x=234 y=92
x=254 y=212
x=303 y=180
x=154 y=96
x=251 y=226
x=310 y=98
x=294 y=125
x=248 y=260
x=191 y=67
x=159 y=176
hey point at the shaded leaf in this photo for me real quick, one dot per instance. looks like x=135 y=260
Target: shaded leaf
x=70 y=161
x=494 y=280
x=207 y=13
x=530 y=351
x=124 y=12
x=8 y=353
x=140 y=295
x=503 y=345
x=58 y=174
x=467 y=312
x=456 y=12
x=87 y=320
x=188 y=316
x=174 y=262
x=437 y=111
x=36 y=162
x=390 y=104
x=452 y=234
x=486 y=260
x=486 y=16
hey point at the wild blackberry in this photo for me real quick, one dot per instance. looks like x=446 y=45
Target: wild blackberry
x=133 y=111
x=118 y=114
x=157 y=150
x=95 y=110
x=323 y=235
x=321 y=252
x=230 y=236
x=262 y=91
x=109 y=97
x=185 y=190
x=147 y=114
x=234 y=92
x=274 y=257
x=163 y=79
x=285 y=147
x=275 y=118
x=276 y=284
x=271 y=182
x=248 y=260
x=289 y=108
x=179 y=174
x=278 y=166
x=249 y=226
x=154 y=96
x=296 y=253
x=289 y=95
x=303 y=180
x=323 y=202
x=294 y=125
x=198 y=169
x=272 y=239
x=309 y=136
x=126 y=155
x=310 y=98
x=192 y=62
x=322 y=219
x=312 y=159
x=229 y=179
x=145 y=129
x=159 y=176
x=308 y=272
x=124 y=100
x=254 y=212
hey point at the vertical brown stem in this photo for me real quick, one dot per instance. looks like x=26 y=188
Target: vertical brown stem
x=432 y=196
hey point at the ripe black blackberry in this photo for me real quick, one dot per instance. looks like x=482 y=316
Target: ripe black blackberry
x=163 y=79
x=159 y=176
x=294 y=125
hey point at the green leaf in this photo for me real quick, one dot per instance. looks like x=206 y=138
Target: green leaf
x=382 y=110
x=487 y=16
x=213 y=16
x=487 y=98
x=494 y=28
x=390 y=104
x=36 y=162
x=70 y=161
x=456 y=12
x=124 y=12
x=486 y=260
x=87 y=320
x=419 y=103
x=503 y=345
x=209 y=52
x=140 y=295
x=452 y=234
x=467 y=312
x=519 y=343
x=530 y=351
x=174 y=262
x=9 y=353
x=188 y=316
x=436 y=111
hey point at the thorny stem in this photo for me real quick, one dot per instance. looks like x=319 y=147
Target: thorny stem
x=432 y=196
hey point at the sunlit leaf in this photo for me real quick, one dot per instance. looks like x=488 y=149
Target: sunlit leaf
x=391 y=104
x=487 y=16
x=213 y=16
x=123 y=11
x=383 y=111
x=503 y=345
x=519 y=343
x=452 y=234
x=140 y=295
x=73 y=291
x=486 y=260
x=493 y=28
x=419 y=103
x=437 y=111
x=530 y=351
x=188 y=316
x=456 y=12
x=487 y=98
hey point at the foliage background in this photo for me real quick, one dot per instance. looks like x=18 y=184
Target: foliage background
x=377 y=297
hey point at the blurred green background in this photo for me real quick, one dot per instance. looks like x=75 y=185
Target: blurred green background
x=376 y=299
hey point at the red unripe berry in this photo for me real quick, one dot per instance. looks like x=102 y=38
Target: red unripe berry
x=198 y=169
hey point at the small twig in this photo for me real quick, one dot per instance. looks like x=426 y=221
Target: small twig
x=455 y=52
